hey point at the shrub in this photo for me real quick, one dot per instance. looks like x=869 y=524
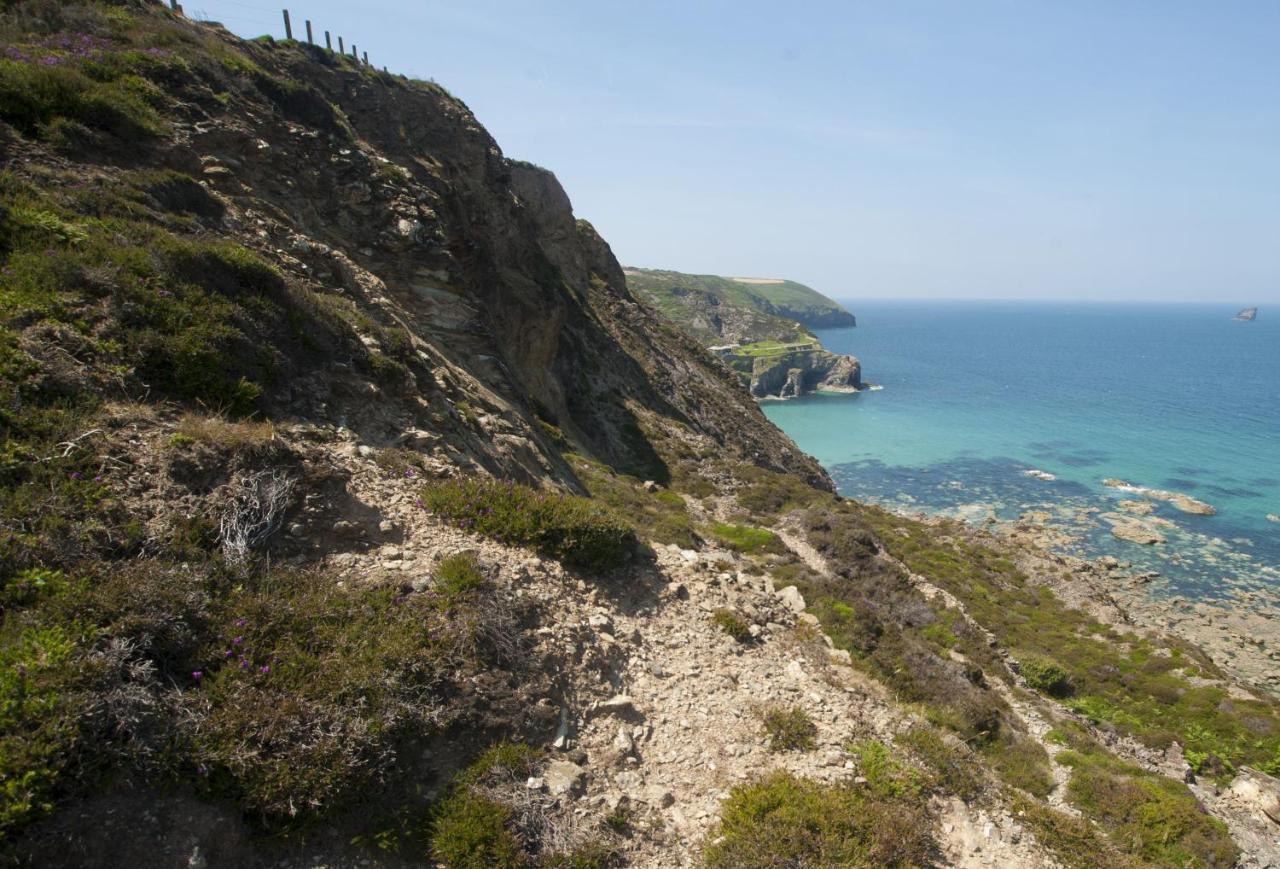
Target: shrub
x=887 y=777
x=782 y=820
x=1147 y=815
x=1021 y=762
x=457 y=577
x=732 y=624
x=744 y=538
x=1044 y=675
x=470 y=828
x=575 y=530
x=953 y=768
x=789 y=729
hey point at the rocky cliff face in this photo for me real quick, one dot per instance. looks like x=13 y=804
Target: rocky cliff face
x=792 y=374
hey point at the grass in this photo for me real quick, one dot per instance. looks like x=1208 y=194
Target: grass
x=782 y=820
x=572 y=529
x=745 y=538
x=774 y=348
x=225 y=434
x=732 y=624
x=789 y=729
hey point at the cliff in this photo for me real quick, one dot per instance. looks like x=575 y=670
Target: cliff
x=720 y=310
x=353 y=511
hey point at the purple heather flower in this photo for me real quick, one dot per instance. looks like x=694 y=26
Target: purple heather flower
x=75 y=475
x=197 y=675
x=244 y=665
x=264 y=669
x=227 y=653
x=237 y=641
x=240 y=623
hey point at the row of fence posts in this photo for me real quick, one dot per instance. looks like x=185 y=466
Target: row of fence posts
x=288 y=34
x=328 y=41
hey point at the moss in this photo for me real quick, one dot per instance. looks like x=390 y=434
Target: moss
x=789 y=729
x=574 y=530
x=782 y=820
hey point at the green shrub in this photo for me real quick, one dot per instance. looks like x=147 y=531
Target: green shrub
x=1044 y=675
x=32 y=95
x=887 y=777
x=732 y=624
x=953 y=768
x=458 y=577
x=662 y=516
x=471 y=830
x=782 y=820
x=575 y=530
x=744 y=538
x=1147 y=815
x=789 y=729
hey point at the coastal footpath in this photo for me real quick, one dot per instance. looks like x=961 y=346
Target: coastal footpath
x=354 y=511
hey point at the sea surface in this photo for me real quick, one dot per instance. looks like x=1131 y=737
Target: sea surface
x=971 y=395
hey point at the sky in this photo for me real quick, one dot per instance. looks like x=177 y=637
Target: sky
x=1001 y=149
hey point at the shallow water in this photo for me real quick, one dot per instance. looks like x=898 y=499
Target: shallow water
x=1176 y=397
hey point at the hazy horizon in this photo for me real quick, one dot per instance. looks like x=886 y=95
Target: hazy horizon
x=991 y=150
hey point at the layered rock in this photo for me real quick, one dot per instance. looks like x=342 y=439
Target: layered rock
x=791 y=374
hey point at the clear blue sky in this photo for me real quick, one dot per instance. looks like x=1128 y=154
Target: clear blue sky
x=1123 y=149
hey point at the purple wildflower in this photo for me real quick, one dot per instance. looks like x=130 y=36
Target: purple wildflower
x=264 y=669
x=197 y=675
x=237 y=641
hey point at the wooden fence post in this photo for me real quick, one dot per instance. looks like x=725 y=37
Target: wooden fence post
x=328 y=42
x=341 y=50
x=366 y=58
x=310 y=41
x=354 y=56
x=288 y=28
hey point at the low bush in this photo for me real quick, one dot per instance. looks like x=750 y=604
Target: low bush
x=782 y=820
x=1147 y=815
x=1021 y=762
x=952 y=767
x=886 y=776
x=732 y=624
x=789 y=729
x=457 y=577
x=661 y=515
x=1044 y=675
x=575 y=530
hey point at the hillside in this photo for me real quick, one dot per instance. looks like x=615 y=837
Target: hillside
x=353 y=511
x=759 y=326
x=720 y=310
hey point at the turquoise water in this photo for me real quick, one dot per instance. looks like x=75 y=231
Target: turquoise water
x=1175 y=397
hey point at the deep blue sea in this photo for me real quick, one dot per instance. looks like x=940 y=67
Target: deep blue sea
x=974 y=394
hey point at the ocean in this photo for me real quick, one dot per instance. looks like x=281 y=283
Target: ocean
x=972 y=395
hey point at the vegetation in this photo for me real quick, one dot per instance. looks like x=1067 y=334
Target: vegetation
x=661 y=515
x=284 y=692
x=1147 y=815
x=732 y=624
x=789 y=729
x=745 y=538
x=1136 y=684
x=782 y=820
x=572 y=529
x=774 y=348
